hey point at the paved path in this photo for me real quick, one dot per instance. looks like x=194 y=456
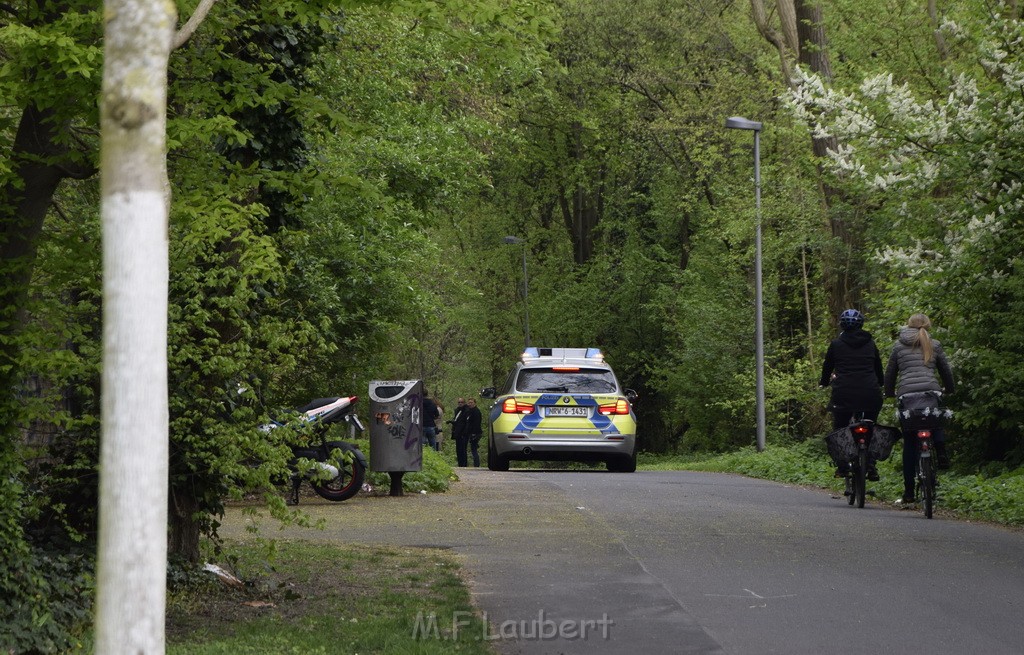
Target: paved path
x=682 y=562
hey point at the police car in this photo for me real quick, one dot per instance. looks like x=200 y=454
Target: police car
x=562 y=404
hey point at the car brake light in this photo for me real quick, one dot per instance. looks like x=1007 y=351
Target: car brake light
x=621 y=406
x=513 y=406
x=566 y=369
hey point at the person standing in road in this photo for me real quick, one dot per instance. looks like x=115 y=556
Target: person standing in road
x=474 y=429
x=915 y=360
x=853 y=368
x=439 y=422
x=429 y=421
x=458 y=424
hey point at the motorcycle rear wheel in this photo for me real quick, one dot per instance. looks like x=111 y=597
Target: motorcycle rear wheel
x=350 y=478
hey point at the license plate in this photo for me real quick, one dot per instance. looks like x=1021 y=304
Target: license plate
x=568 y=410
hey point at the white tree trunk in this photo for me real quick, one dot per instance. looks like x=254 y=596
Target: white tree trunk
x=131 y=567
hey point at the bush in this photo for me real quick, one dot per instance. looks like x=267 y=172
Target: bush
x=435 y=477
x=49 y=608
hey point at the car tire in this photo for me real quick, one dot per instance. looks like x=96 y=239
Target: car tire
x=495 y=462
x=623 y=464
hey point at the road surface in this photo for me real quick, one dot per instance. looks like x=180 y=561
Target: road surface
x=685 y=562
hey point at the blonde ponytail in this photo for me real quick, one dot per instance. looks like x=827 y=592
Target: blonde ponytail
x=924 y=340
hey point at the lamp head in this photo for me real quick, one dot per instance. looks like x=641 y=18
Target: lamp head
x=740 y=123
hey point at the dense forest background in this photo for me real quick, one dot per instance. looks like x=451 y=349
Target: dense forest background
x=343 y=176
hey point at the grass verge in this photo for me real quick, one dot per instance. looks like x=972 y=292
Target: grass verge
x=302 y=597
x=968 y=495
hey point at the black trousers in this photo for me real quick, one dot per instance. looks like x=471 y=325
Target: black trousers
x=841 y=417
x=461 y=441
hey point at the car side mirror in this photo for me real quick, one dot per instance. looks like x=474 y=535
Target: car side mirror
x=631 y=396
x=488 y=392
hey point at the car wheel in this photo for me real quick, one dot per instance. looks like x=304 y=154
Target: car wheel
x=623 y=464
x=495 y=462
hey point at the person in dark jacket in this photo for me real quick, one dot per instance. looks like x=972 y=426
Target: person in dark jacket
x=915 y=360
x=458 y=424
x=430 y=415
x=853 y=368
x=474 y=429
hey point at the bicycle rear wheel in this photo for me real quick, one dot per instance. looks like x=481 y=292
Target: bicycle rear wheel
x=927 y=485
x=859 y=477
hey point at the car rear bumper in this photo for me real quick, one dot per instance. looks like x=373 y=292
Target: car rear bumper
x=563 y=447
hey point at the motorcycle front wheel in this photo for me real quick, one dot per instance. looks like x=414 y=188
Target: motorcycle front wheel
x=349 y=480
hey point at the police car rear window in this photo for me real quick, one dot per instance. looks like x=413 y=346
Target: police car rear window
x=542 y=380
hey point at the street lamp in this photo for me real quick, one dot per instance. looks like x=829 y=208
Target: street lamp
x=738 y=123
x=526 y=288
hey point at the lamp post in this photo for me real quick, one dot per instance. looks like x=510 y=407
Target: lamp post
x=526 y=289
x=738 y=123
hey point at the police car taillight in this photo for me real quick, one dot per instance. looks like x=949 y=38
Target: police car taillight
x=621 y=406
x=513 y=406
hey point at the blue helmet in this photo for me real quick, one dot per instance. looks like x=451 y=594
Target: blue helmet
x=851 y=319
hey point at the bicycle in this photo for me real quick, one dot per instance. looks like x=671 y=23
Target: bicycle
x=856 y=448
x=921 y=414
x=856 y=477
x=850 y=447
x=927 y=471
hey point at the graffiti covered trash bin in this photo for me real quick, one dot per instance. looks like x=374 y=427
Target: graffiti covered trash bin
x=396 y=428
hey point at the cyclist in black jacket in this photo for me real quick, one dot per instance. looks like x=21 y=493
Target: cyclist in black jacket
x=853 y=368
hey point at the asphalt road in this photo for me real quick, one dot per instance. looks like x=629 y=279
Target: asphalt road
x=682 y=562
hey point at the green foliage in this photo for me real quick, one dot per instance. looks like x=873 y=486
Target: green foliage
x=45 y=602
x=39 y=47
x=987 y=498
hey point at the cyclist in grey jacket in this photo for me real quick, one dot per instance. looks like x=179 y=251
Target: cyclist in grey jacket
x=914 y=362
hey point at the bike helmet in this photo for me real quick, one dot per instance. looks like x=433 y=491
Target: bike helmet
x=851 y=319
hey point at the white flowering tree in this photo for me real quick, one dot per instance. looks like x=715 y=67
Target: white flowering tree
x=944 y=174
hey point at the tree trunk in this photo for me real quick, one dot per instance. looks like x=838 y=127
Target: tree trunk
x=845 y=261
x=786 y=52
x=39 y=163
x=39 y=166
x=132 y=554
x=184 y=529
x=582 y=206
x=940 y=41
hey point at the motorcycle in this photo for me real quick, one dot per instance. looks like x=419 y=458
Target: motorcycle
x=335 y=469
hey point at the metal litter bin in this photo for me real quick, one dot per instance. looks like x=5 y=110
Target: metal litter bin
x=396 y=428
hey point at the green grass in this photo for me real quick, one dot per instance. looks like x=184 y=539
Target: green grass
x=973 y=496
x=317 y=598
